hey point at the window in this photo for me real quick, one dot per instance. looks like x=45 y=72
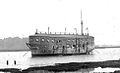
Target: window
x=58 y=41
x=36 y=39
x=83 y=46
x=47 y=40
x=53 y=41
x=68 y=40
x=31 y=39
x=68 y=46
x=43 y=40
x=73 y=40
x=74 y=46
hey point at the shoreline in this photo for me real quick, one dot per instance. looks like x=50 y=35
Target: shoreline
x=67 y=67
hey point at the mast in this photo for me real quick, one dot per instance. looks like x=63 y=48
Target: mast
x=81 y=24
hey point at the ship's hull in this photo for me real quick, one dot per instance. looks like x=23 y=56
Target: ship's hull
x=60 y=52
x=36 y=54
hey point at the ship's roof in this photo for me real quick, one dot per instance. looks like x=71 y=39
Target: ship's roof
x=62 y=35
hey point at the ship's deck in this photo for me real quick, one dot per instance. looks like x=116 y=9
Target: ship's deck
x=63 y=35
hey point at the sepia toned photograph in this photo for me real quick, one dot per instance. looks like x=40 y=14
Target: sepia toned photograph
x=59 y=36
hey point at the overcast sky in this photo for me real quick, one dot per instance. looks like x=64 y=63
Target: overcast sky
x=22 y=17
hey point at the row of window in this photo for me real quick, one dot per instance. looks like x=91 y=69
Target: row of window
x=37 y=40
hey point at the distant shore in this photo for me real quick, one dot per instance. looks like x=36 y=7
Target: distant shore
x=102 y=47
x=12 y=50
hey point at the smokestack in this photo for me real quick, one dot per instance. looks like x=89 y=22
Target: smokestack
x=36 y=31
x=48 y=29
x=87 y=31
x=65 y=30
x=81 y=24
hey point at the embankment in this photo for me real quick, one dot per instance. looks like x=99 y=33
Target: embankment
x=68 y=67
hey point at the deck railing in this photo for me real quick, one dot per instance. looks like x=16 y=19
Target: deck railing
x=67 y=33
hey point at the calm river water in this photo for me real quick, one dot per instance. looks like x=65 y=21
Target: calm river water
x=24 y=60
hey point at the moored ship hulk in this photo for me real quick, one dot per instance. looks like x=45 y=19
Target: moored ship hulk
x=49 y=44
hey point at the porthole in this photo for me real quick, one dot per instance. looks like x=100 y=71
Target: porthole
x=31 y=39
x=67 y=46
x=47 y=40
x=68 y=40
x=43 y=40
x=73 y=40
x=36 y=39
x=53 y=41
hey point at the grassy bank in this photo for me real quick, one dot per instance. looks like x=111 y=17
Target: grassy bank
x=68 y=67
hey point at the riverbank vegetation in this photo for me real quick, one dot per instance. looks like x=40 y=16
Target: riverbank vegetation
x=67 y=67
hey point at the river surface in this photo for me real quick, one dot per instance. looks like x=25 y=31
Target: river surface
x=24 y=59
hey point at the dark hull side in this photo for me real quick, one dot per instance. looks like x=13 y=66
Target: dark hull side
x=63 y=54
x=35 y=55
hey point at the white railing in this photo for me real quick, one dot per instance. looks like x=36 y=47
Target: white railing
x=65 y=33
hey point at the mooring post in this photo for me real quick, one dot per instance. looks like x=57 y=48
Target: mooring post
x=7 y=62
x=14 y=62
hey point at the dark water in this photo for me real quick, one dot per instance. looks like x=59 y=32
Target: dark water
x=24 y=60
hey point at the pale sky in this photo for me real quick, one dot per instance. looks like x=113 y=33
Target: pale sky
x=22 y=17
